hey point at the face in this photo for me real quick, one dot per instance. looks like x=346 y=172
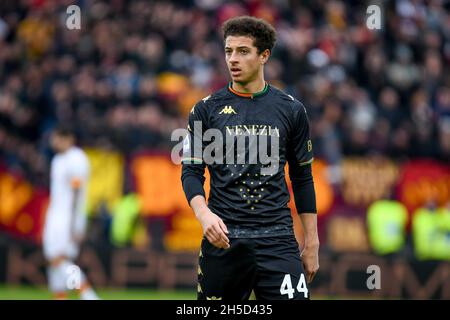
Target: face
x=59 y=143
x=243 y=61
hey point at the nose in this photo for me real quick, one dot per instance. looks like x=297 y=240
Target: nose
x=232 y=58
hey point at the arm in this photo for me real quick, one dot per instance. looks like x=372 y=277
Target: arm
x=213 y=227
x=305 y=202
x=300 y=156
x=192 y=178
x=76 y=230
x=79 y=176
x=310 y=253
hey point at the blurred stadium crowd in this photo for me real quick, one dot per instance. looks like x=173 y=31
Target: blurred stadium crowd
x=129 y=77
x=132 y=73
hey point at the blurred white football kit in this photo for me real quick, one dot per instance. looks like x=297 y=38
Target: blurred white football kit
x=66 y=222
x=69 y=170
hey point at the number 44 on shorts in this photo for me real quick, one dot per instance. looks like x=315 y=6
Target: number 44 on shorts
x=286 y=286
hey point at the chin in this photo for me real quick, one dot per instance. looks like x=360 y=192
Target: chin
x=238 y=79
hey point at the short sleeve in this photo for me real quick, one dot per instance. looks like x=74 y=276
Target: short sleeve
x=78 y=171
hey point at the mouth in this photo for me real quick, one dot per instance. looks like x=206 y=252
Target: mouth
x=235 y=71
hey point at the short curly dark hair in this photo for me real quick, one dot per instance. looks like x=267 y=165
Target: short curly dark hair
x=65 y=130
x=259 y=29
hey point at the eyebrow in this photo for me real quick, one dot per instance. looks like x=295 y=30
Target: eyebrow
x=240 y=47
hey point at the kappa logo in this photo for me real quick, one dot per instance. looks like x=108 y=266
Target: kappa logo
x=228 y=110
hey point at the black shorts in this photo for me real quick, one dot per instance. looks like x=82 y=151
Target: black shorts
x=270 y=267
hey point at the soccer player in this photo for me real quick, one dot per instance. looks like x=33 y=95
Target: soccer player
x=66 y=218
x=249 y=242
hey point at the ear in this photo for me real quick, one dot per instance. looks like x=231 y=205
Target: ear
x=264 y=56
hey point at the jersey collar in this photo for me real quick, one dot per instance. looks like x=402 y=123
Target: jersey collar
x=248 y=95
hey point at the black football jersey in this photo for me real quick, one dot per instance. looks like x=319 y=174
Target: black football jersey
x=247 y=191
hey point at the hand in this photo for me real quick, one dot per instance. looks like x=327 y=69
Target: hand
x=310 y=258
x=214 y=229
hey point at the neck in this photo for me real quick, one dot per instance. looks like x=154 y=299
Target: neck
x=254 y=86
x=66 y=148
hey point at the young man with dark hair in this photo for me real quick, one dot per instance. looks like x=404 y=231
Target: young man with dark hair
x=249 y=243
x=65 y=222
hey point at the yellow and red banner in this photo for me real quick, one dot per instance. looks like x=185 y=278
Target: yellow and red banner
x=340 y=202
x=106 y=180
x=422 y=182
x=22 y=207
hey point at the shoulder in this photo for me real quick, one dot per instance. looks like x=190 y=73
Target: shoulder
x=288 y=100
x=55 y=160
x=77 y=156
x=208 y=102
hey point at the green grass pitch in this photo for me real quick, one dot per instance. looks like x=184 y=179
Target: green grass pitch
x=41 y=293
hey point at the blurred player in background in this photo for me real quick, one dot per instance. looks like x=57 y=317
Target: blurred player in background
x=66 y=217
x=249 y=240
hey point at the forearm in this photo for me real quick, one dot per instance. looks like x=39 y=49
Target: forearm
x=198 y=204
x=303 y=188
x=305 y=201
x=74 y=209
x=310 y=253
x=192 y=178
x=309 y=224
x=213 y=227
